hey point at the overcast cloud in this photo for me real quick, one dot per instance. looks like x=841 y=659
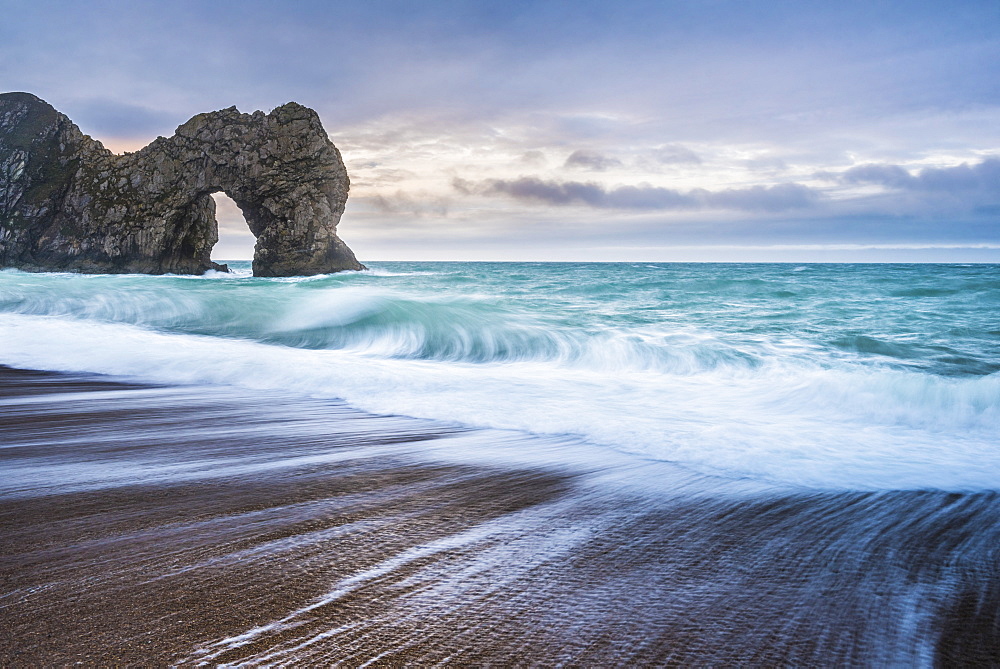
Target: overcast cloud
x=720 y=124
x=983 y=177
x=591 y=160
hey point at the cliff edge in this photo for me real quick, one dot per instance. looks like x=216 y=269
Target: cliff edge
x=69 y=204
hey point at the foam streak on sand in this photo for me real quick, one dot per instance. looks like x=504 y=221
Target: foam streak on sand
x=436 y=544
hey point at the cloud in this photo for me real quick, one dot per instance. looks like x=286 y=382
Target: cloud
x=672 y=154
x=535 y=190
x=416 y=93
x=591 y=160
x=766 y=164
x=892 y=176
x=377 y=177
x=401 y=202
x=983 y=176
x=763 y=198
x=534 y=157
x=781 y=197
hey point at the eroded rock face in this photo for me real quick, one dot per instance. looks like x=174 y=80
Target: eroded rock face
x=69 y=204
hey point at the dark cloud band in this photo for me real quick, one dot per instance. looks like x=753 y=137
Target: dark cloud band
x=777 y=198
x=984 y=176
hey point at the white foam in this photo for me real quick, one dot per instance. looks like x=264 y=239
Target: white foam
x=233 y=273
x=378 y=271
x=784 y=421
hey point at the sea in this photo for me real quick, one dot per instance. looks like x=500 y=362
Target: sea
x=843 y=420
x=829 y=376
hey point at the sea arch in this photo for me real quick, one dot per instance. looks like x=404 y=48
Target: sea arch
x=151 y=211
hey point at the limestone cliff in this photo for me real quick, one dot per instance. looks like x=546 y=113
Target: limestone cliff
x=69 y=204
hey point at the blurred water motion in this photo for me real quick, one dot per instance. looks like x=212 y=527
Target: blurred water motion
x=150 y=524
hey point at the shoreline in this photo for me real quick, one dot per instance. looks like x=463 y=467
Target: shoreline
x=152 y=524
x=110 y=571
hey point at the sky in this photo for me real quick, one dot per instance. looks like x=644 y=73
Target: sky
x=708 y=130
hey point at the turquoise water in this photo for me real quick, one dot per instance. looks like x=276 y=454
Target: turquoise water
x=823 y=376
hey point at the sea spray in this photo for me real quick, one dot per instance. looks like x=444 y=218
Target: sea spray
x=827 y=376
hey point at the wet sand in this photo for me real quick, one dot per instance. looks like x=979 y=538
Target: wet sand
x=146 y=525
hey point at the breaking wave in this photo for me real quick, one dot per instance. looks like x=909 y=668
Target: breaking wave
x=828 y=378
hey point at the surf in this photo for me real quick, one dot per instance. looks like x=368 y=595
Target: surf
x=720 y=369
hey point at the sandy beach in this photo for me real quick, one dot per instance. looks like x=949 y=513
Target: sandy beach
x=227 y=527
x=176 y=525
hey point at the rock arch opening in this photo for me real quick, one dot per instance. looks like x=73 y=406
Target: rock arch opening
x=236 y=241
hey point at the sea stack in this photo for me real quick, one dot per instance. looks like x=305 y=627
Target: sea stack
x=69 y=204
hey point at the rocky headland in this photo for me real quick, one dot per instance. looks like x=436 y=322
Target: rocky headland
x=67 y=203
